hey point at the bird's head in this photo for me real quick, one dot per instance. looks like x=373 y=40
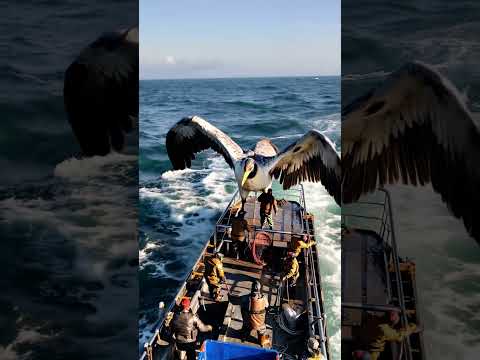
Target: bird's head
x=248 y=167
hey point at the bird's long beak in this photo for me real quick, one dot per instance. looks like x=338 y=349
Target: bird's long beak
x=245 y=176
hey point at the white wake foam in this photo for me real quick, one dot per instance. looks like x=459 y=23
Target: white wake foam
x=77 y=168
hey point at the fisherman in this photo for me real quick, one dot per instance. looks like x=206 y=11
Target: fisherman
x=239 y=226
x=297 y=243
x=185 y=327
x=254 y=313
x=214 y=275
x=291 y=269
x=379 y=331
x=267 y=204
x=313 y=350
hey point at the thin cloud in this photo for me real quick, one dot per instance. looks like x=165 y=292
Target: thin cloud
x=170 y=60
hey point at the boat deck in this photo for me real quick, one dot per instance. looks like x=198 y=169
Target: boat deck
x=287 y=218
x=363 y=272
x=226 y=316
x=240 y=275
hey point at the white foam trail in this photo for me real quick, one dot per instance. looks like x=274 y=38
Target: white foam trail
x=194 y=198
x=75 y=168
x=327 y=230
x=25 y=337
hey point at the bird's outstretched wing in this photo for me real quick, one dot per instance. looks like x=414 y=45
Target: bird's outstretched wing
x=416 y=129
x=192 y=135
x=101 y=92
x=311 y=158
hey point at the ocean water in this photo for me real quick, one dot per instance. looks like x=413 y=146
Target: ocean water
x=443 y=34
x=178 y=209
x=67 y=224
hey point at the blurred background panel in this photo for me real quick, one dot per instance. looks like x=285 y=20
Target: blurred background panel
x=67 y=221
x=378 y=38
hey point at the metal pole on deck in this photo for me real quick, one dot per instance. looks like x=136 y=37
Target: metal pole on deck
x=398 y=274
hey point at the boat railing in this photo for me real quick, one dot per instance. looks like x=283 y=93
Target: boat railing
x=316 y=315
x=158 y=325
x=377 y=214
x=295 y=194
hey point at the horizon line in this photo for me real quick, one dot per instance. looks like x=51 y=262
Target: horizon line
x=238 y=77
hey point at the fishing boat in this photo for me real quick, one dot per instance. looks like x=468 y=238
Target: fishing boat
x=375 y=279
x=293 y=317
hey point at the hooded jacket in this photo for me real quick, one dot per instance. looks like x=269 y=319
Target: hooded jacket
x=185 y=326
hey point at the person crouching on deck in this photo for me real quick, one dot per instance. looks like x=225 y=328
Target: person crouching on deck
x=267 y=204
x=254 y=314
x=185 y=327
x=214 y=275
x=291 y=270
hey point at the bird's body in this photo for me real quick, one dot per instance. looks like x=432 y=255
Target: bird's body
x=258 y=180
x=311 y=158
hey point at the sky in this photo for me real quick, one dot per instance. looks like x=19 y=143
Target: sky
x=239 y=38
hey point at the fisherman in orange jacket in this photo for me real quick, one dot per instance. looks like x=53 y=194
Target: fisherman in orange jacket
x=254 y=314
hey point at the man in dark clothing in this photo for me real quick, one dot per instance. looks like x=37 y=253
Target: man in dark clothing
x=185 y=327
x=239 y=226
x=267 y=204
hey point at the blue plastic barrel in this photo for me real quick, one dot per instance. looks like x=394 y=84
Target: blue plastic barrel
x=216 y=350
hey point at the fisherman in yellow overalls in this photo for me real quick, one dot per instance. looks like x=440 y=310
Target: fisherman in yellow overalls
x=379 y=331
x=313 y=350
x=298 y=244
x=291 y=269
x=214 y=275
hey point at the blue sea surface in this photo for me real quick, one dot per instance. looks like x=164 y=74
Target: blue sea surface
x=178 y=209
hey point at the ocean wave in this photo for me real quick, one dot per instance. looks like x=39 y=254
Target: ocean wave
x=327 y=230
x=77 y=168
x=247 y=104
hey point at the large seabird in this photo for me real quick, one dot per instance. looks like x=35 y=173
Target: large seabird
x=311 y=158
x=101 y=92
x=416 y=129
